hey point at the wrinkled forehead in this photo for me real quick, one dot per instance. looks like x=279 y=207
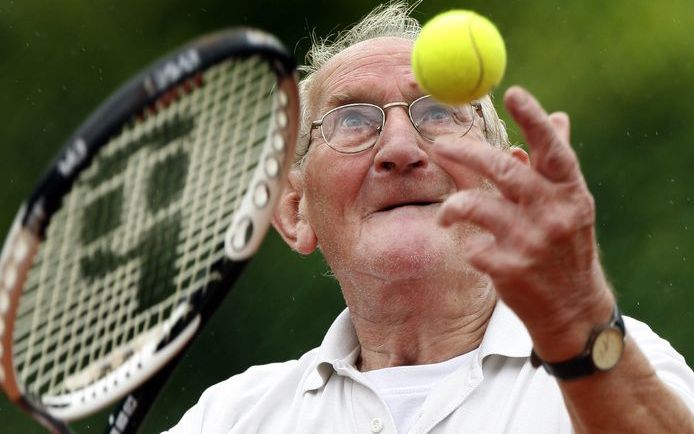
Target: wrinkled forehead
x=376 y=71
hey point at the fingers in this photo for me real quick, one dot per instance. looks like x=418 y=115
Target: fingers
x=547 y=136
x=516 y=180
x=562 y=125
x=486 y=256
x=497 y=249
x=484 y=253
x=480 y=208
x=553 y=159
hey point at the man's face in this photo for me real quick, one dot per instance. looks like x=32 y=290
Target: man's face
x=373 y=213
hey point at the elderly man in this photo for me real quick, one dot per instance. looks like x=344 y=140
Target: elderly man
x=476 y=299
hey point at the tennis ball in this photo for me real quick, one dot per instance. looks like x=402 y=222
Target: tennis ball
x=459 y=56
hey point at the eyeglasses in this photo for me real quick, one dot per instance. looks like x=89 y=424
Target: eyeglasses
x=354 y=128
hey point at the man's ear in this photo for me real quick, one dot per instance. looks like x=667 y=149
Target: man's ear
x=520 y=154
x=288 y=218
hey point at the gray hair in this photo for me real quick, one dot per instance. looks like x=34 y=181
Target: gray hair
x=386 y=20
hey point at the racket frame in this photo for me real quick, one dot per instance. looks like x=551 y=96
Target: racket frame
x=153 y=85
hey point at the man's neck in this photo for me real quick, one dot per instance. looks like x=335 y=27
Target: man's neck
x=409 y=332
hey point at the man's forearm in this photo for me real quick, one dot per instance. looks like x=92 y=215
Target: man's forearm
x=628 y=399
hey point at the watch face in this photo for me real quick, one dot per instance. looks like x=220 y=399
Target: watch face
x=608 y=348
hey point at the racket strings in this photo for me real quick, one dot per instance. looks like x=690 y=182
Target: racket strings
x=81 y=326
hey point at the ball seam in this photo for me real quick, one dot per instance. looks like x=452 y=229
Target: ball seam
x=480 y=62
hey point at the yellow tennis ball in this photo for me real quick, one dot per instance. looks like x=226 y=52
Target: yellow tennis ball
x=458 y=57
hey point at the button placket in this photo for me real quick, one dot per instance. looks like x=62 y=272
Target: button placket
x=376 y=425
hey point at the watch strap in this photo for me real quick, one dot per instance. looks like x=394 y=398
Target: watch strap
x=582 y=365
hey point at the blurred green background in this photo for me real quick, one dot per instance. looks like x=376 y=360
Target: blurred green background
x=623 y=70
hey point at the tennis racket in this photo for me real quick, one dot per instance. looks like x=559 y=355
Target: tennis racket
x=141 y=226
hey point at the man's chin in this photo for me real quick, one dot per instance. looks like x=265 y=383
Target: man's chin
x=406 y=254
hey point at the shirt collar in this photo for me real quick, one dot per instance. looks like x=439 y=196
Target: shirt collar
x=505 y=336
x=340 y=346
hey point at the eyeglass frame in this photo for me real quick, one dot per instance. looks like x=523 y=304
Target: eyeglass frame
x=319 y=123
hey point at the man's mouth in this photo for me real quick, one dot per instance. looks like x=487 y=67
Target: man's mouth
x=418 y=203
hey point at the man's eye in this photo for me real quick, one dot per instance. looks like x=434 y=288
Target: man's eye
x=353 y=120
x=436 y=114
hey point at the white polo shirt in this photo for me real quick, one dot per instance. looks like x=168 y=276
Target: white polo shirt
x=498 y=391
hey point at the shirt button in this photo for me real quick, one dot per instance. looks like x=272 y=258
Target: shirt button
x=376 y=424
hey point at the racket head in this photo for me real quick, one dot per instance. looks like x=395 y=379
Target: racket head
x=188 y=156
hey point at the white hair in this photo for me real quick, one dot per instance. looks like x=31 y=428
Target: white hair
x=386 y=20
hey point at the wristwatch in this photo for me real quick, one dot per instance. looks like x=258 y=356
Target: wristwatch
x=603 y=351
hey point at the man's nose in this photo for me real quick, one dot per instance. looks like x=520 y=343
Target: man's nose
x=398 y=148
